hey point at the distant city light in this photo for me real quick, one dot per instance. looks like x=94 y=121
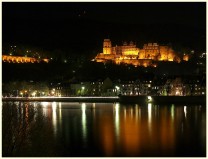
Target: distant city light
x=53 y=91
x=117 y=87
x=33 y=94
x=177 y=92
x=149 y=98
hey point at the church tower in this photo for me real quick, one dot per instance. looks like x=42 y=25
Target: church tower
x=107 y=46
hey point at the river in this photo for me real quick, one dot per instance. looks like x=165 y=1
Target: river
x=61 y=129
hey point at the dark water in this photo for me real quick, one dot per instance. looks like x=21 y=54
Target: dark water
x=103 y=129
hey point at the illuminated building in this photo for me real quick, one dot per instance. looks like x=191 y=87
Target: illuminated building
x=177 y=87
x=130 y=54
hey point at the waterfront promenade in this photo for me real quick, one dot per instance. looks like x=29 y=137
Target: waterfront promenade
x=64 y=99
x=121 y=99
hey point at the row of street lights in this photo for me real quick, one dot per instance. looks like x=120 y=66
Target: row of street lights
x=54 y=93
x=33 y=94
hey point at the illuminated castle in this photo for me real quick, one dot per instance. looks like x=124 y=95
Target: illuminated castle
x=130 y=54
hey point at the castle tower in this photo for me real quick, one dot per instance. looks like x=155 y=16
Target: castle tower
x=107 y=46
x=131 y=43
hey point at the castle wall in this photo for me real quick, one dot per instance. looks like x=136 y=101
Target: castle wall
x=142 y=54
x=164 y=53
x=171 y=55
x=105 y=56
x=135 y=62
x=130 y=50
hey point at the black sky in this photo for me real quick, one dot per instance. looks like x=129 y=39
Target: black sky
x=83 y=26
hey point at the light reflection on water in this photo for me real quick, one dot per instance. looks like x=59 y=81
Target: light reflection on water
x=84 y=123
x=54 y=116
x=117 y=120
x=114 y=129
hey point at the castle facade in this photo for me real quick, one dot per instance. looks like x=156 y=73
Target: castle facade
x=130 y=54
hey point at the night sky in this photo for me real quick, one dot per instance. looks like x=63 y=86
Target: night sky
x=81 y=27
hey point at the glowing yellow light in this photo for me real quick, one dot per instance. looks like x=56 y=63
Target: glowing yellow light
x=33 y=94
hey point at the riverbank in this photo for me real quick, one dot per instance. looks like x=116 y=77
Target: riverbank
x=164 y=99
x=63 y=99
x=121 y=99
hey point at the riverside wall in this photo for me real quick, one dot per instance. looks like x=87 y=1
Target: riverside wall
x=64 y=99
x=164 y=99
x=121 y=99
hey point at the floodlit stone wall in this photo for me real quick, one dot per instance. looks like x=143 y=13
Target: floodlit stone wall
x=21 y=59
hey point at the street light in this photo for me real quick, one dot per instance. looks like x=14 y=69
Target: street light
x=83 y=88
x=117 y=88
x=53 y=91
x=33 y=94
x=149 y=99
